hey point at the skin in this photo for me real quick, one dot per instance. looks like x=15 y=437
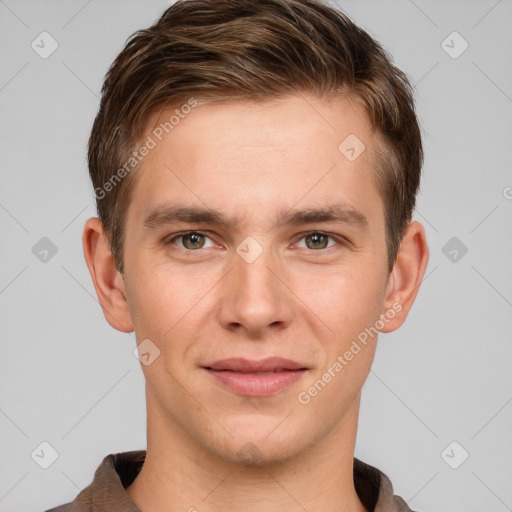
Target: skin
x=301 y=299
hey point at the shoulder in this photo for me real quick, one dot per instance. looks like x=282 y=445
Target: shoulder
x=376 y=490
x=106 y=491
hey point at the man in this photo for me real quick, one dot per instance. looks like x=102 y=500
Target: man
x=255 y=164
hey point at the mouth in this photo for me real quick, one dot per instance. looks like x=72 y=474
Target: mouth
x=256 y=378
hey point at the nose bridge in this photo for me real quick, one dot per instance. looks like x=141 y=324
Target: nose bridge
x=253 y=268
x=255 y=297
x=253 y=271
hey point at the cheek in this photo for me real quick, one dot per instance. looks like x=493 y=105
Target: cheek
x=165 y=301
x=349 y=304
x=346 y=300
x=350 y=308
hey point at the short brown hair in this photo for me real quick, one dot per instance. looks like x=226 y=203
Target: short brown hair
x=252 y=50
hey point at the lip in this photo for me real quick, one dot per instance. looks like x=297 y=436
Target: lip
x=241 y=375
x=270 y=364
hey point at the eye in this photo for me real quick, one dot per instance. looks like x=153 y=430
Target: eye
x=195 y=240
x=318 y=240
x=191 y=240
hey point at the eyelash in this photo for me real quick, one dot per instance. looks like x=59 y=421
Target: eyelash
x=336 y=238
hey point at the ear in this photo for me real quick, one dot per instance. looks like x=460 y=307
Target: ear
x=406 y=276
x=108 y=282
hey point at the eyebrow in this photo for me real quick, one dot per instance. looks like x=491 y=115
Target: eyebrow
x=338 y=213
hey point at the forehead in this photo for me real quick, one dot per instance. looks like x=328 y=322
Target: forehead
x=260 y=124
x=259 y=156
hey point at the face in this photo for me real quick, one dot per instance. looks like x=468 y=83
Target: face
x=257 y=279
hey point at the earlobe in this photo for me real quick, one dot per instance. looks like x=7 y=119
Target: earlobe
x=406 y=276
x=108 y=282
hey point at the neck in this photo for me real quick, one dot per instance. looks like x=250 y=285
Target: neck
x=179 y=475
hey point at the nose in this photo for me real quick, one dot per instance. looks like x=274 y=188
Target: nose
x=255 y=297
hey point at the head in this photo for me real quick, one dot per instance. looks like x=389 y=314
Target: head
x=243 y=108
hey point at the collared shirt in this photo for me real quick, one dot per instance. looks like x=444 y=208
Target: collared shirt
x=117 y=471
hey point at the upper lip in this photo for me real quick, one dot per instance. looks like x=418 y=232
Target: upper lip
x=240 y=364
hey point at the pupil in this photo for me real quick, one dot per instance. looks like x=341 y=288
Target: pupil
x=194 y=239
x=317 y=238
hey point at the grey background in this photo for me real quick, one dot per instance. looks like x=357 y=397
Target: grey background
x=69 y=379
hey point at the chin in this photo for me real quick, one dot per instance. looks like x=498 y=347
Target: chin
x=264 y=446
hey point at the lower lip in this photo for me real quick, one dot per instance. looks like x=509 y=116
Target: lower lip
x=253 y=384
